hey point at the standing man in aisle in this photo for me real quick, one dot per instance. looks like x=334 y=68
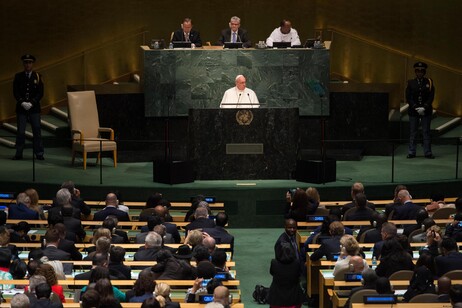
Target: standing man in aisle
x=28 y=91
x=420 y=92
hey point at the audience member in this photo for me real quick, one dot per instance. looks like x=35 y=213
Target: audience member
x=90 y=299
x=422 y=237
x=117 y=236
x=407 y=210
x=454 y=229
x=349 y=248
x=63 y=197
x=444 y=286
x=368 y=281
x=34 y=202
x=451 y=258
x=383 y=286
x=389 y=231
x=99 y=273
x=194 y=238
x=200 y=253
x=434 y=238
x=323 y=230
x=299 y=205
x=221 y=296
x=67 y=245
x=103 y=245
x=74 y=228
x=151 y=303
x=356 y=188
x=166 y=237
x=289 y=236
x=19 y=234
x=393 y=258
x=152 y=246
x=162 y=292
x=106 y=293
x=152 y=221
x=20 y=301
x=5 y=261
x=5 y=243
x=455 y=294
x=116 y=258
x=218 y=259
x=374 y=232
x=205 y=272
x=219 y=233
x=144 y=286
x=330 y=247
x=209 y=242
x=169 y=267
x=421 y=282
x=420 y=217
x=201 y=220
x=51 y=250
x=48 y=272
x=389 y=208
x=360 y=211
x=34 y=281
x=21 y=210
x=43 y=292
x=111 y=209
x=76 y=200
x=285 y=290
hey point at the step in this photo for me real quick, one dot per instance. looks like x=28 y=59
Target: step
x=60 y=112
x=53 y=123
x=448 y=125
x=13 y=128
x=7 y=138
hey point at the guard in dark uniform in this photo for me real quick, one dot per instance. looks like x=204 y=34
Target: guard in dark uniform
x=28 y=91
x=419 y=95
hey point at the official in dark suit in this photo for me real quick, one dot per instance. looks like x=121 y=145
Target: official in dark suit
x=330 y=246
x=451 y=258
x=285 y=288
x=43 y=292
x=360 y=211
x=219 y=233
x=152 y=246
x=407 y=210
x=111 y=209
x=28 y=91
x=420 y=93
x=72 y=224
x=235 y=34
x=67 y=245
x=202 y=221
x=389 y=231
x=187 y=34
x=289 y=236
x=51 y=250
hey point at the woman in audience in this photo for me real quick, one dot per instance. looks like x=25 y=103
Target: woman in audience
x=48 y=272
x=5 y=242
x=331 y=246
x=349 y=248
x=90 y=299
x=144 y=286
x=99 y=273
x=34 y=202
x=100 y=232
x=151 y=303
x=434 y=238
x=313 y=194
x=323 y=230
x=106 y=294
x=193 y=238
x=394 y=258
x=299 y=205
x=285 y=288
x=162 y=291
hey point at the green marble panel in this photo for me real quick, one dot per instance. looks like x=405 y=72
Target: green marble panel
x=178 y=80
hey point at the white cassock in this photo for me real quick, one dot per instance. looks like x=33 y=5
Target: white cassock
x=278 y=36
x=234 y=98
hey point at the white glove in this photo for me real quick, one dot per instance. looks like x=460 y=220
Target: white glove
x=420 y=110
x=26 y=105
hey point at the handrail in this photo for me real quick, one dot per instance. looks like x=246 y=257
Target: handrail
x=393 y=50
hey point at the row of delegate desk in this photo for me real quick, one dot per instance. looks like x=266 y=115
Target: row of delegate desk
x=319 y=273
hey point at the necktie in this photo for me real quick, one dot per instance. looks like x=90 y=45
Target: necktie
x=234 y=37
x=186 y=36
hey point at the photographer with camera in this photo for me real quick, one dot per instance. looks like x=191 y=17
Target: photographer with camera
x=298 y=205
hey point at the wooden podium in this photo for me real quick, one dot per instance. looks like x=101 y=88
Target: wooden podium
x=243 y=144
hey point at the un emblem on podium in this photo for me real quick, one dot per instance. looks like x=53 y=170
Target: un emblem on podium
x=244 y=117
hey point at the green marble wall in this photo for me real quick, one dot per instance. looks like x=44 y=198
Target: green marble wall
x=176 y=80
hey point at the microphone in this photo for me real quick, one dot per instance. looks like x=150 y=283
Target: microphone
x=238 y=99
x=251 y=104
x=238 y=37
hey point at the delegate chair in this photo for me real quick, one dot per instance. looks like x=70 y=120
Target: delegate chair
x=424 y=298
x=358 y=297
x=444 y=213
x=85 y=129
x=402 y=275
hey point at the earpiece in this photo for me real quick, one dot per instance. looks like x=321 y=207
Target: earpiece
x=422 y=227
x=374 y=224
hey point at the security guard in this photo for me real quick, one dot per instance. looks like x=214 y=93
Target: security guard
x=420 y=92
x=28 y=91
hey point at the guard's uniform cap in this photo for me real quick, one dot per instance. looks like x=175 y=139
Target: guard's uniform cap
x=27 y=58
x=420 y=66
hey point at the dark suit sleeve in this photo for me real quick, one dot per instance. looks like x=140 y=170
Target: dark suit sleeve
x=223 y=38
x=196 y=39
x=318 y=253
x=245 y=39
x=75 y=254
x=177 y=36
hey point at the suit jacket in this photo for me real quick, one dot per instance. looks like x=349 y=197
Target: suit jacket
x=69 y=247
x=221 y=236
x=285 y=289
x=54 y=253
x=451 y=261
x=110 y=210
x=21 y=211
x=194 y=37
x=74 y=225
x=424 y=89
x=200 y=223
x=149 y=254
x=121 y=268
x=242 y=36
x=351 y=205
x=86 y=276
x=328 y=247
x=46 y=303
x=358 y=214
x=406 y=211
x=56 y=210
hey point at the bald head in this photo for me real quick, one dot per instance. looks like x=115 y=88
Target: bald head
x=221 y=295
x=160 y=211
x=356 y=188
x=444 y=285
x=357 y=264
x=111 y=199
x=209 y=242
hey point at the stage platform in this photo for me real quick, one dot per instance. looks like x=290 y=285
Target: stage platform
x=250 y=203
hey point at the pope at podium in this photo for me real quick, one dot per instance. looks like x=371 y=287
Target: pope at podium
x=240 y=96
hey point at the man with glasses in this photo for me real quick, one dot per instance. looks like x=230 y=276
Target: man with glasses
x=235 y=34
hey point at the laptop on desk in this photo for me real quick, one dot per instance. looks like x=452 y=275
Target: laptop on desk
x=282 y=44
x=231 y=45
x=181 y=44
